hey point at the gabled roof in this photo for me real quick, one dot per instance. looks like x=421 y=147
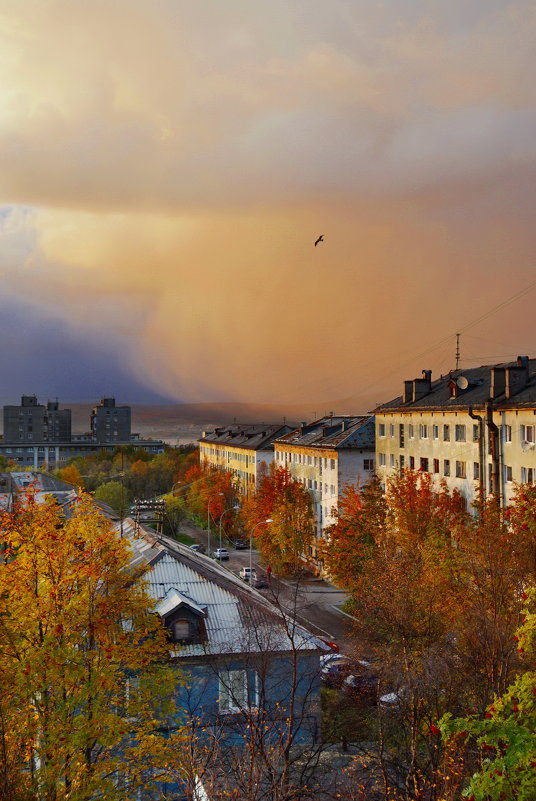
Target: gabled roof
x=339 y=432
x=255 y=437
x=238 y=619
x=475 y=391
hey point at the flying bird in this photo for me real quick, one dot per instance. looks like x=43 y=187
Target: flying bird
x=320 y=239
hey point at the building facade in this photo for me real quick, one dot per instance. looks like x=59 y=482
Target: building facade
x=110 y=423
x=35 y=422
x=245 y=450
x=326 y=456
x=473 y=429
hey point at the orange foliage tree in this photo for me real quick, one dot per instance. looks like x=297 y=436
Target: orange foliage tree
x=285 y=541
x=209 y=490
x=87 y=690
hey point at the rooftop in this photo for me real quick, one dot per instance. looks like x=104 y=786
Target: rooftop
x=508 y=384
x=258 y=436
x=335 y=432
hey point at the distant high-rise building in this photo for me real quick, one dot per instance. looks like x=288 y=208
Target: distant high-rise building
x=110 y=423
x=34 y=422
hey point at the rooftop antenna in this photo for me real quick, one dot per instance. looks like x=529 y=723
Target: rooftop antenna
x=457 y=351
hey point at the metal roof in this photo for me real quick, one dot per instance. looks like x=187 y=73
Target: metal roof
x=258 y=436
x=476 y=394
x=337 y=432
x=237 y=618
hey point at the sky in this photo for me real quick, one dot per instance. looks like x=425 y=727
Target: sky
x=166 y=167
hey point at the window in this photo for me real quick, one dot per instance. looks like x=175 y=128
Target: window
x=382 y=459
x=401 y=461
x=410 y=431
x=460 y=470
x=424 y=464
x=527 y=434
x=392 y=430
x=435 y=432
x=475 y=433
x=460 y=433
x=446 y=467
x=412 y=463
x=476 y=471
x=446 y=433
x=436 y=465
x=527 y=475
x=508 y=473
x=423 y=431
x=310 y=483
x=381 y=429
x=368 y=464
x=233 y=692
x=508 y=433
x=401 y=434
x=392 y=460
x=181 y=630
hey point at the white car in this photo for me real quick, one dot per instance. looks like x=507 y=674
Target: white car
x=248 y=573
x=222 y=554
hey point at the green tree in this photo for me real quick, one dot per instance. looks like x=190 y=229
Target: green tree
x=114 y=494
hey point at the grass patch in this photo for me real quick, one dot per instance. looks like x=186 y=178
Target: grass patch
x=184 y=538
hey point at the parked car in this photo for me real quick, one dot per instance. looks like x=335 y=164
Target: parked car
x=335 y=671
x=362 y=682
x=241 y=545
x=260 y=583
x=222 y=554
x=197 y=547
x=248 y=573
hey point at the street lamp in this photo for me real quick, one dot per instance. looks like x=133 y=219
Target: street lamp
x=262 y=522
x=208 y=519
x=232 y=509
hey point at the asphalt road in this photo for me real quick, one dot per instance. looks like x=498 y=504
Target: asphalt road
x=315 y=601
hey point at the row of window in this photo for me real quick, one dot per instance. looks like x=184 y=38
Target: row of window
x=424 y=431
x=527 y=474
x=247 y=459
x=305 y=459
x=527 y=433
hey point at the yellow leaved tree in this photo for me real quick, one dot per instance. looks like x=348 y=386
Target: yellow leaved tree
x=87 y=701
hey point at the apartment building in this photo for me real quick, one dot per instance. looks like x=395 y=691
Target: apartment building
x=475 y=429
x=245 y=450
x=326 y=456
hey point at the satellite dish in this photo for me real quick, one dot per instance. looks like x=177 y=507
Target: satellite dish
x=462 y=382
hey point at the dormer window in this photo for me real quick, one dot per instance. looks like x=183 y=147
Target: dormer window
x=181 y=630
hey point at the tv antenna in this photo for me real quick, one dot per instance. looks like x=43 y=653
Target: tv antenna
x=457 y=351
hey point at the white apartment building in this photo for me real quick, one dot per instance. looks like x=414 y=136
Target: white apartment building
x=475 y=429
x=245 y=450
x=326 y=456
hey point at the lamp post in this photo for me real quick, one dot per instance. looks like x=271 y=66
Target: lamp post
x=262 y=522
x=208 y=519
x=232 y=509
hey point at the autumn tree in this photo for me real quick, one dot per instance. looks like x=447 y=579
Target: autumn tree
x=285 y=542
x=71 y=475
x=86 y=709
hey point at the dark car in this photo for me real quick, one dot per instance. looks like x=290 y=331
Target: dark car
x=334 y=671
x=241 y=545
x=260 y=583
x=197 y=547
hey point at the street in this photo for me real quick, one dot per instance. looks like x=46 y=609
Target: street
x=316 y=602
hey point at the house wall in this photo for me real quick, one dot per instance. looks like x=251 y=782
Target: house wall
x=245 y=464
x=516 y=453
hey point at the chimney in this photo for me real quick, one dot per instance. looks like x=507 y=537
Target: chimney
x=408 y=391
x=421 y=387
x=523 y=361
x=497 y=383
x=453 y=388
x=343 y=425
x=516 y=380
x=427 y=375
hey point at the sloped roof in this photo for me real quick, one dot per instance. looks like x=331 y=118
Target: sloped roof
x=255 y=437
x=476 y=394
x=336 y=432
x=238 y=619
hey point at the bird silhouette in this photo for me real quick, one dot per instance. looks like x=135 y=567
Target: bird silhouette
x=320 y=239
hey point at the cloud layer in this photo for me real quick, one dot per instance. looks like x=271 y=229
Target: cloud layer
x=167 y=166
